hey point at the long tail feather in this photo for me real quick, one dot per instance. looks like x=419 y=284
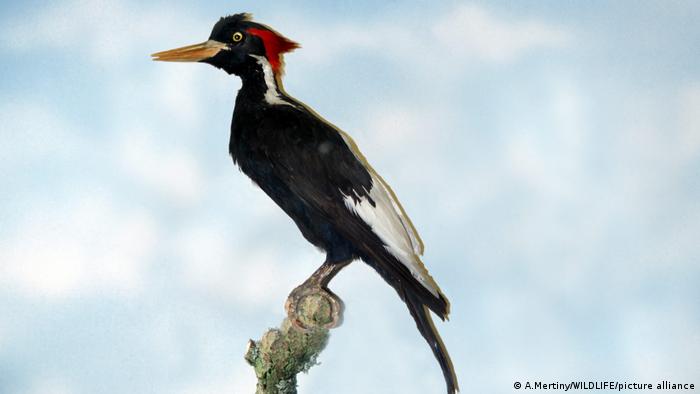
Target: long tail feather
x=425 y=325
x=419 y=300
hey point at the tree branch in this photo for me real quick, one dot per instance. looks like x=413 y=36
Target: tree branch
x=283 y=352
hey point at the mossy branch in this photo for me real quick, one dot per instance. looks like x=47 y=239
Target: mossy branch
x=294 y=347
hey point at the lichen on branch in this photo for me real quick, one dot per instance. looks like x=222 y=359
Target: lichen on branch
x=294 y=347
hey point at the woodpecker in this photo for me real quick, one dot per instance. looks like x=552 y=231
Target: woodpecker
x=316 y=174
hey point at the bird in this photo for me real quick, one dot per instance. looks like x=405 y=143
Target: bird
x=317 y=175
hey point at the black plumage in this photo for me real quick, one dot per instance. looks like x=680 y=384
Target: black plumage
x=316 y=174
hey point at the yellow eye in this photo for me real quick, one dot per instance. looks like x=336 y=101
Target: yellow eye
x=237 y=36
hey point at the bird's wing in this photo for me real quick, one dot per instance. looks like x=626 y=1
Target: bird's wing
x=324 y=167
x=380 y=210
x=384 y=192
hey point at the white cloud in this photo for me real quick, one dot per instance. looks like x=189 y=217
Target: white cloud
x=52 y=385
x=4 y=333
x=85 y=246
x=549 y=154
x=242 y=380
x=34 y=131
x=471 y=31
x=179 y=93
x=172 y=172
x=689 y=121
x=392 y=124
x=671 y=355
x=406 y=141
x=323 y=43
x=247 y=275
x=465 y=33
x=106 y=31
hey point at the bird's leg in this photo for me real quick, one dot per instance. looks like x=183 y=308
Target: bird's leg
x=312 y=304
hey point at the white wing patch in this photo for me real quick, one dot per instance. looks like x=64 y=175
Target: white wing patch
x=416 y=242
x=387 y=221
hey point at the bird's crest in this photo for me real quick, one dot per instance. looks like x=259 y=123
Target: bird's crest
x=275 y=46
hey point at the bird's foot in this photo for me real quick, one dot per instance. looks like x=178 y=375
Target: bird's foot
x=311 y=306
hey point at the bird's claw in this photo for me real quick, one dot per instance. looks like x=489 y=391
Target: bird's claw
x=311 y=306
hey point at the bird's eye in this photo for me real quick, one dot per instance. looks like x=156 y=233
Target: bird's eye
x=237 y=36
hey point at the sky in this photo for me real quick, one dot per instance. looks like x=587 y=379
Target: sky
x=547 y=152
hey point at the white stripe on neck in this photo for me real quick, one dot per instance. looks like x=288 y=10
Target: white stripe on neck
x=272 y=95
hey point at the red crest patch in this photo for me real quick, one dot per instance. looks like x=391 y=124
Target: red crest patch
x=275 y=46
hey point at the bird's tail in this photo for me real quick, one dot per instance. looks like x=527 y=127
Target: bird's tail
x=425 y=325
x=420 y=301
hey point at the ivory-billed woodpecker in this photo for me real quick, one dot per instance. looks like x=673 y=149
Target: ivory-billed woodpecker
x=316 y=174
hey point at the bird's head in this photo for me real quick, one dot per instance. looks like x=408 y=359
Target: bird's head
x=235 y=44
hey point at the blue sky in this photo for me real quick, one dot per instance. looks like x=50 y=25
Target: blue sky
x=547 y=152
